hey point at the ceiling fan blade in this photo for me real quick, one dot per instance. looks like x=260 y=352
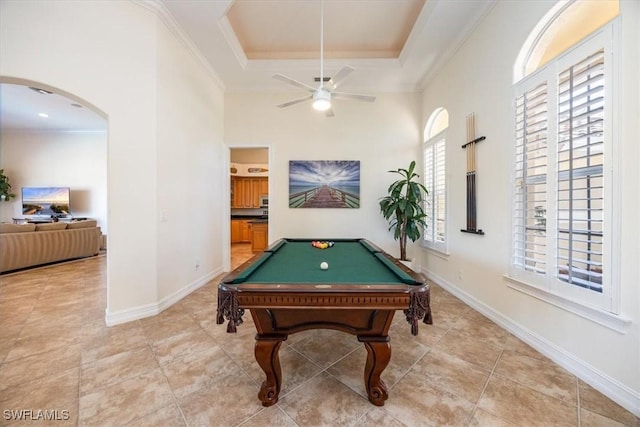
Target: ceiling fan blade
x=340 y=76
x=366 y=98
x=293 y=82
x=329 y=113
x=297 y=101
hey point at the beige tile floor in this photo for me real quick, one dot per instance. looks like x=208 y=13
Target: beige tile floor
x=180 y=368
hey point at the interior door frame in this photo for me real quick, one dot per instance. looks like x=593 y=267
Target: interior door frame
x=226 y=247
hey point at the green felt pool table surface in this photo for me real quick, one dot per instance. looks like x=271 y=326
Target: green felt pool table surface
x=296 y=261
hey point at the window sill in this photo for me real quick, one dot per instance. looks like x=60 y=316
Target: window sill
x=436 y=252
x=612 y=321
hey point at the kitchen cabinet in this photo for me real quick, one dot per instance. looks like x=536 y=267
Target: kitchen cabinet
x=246 y=231
x=246 y=191
x=240 y=230
x=264 y=188
x=236 y=230
x=256 y=186
x=237 y=193
x=259 y=236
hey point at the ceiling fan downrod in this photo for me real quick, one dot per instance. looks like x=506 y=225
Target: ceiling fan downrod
x=321 y=97
x=321 y=43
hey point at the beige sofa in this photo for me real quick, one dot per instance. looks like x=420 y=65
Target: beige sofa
x=28 y=245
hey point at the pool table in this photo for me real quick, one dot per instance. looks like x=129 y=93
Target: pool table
x=286 y=291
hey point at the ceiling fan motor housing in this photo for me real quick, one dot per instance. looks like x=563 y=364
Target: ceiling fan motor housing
x=322 y=100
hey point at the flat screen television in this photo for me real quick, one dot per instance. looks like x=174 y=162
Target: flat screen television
x=45 y=201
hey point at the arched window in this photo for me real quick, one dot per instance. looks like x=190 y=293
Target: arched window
x=435 y=135
x=562 y=27
x=562 y=212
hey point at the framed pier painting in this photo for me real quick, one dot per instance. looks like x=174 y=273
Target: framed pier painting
x=324 y=184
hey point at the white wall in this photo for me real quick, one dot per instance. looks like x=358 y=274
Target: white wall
x=77 y=160
x=108 y=54
x=479 y=79
x=383 y=135
x=190 y=169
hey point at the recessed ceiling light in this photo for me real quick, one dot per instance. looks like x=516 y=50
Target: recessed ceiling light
x=45 y=115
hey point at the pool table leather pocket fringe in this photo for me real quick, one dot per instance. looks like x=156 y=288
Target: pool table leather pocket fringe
x=228 y=307
x=419 y=308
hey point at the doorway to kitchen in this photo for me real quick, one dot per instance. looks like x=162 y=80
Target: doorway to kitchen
x=248 y=202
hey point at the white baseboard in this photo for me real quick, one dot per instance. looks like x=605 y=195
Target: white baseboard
x=148 y=310
x=614 y=390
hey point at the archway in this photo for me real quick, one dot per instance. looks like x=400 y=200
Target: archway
x=66 y=149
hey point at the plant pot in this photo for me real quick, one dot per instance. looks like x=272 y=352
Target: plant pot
x=412 y=264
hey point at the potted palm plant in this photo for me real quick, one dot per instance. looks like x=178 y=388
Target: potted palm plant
x=5 y=187
x=403 y=207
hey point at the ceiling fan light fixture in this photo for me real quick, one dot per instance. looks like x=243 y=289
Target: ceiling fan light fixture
x=321 y=100
x=322 y=95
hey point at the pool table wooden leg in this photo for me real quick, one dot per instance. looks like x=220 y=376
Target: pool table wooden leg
x=378 y=356
x=266 y=351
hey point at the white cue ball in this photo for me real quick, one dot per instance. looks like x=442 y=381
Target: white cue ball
x=324 y=265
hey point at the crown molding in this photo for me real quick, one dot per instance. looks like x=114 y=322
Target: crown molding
x=165 y=16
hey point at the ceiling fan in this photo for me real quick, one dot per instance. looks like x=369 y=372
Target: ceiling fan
x=322 y=95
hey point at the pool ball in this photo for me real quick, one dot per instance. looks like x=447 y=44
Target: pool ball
x=324 y=265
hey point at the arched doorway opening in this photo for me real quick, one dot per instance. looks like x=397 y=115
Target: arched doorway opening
x=51 y=138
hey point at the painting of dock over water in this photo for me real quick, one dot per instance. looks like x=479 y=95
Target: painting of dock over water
x=324 y=184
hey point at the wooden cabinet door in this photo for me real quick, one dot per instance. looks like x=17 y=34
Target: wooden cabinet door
x=238 y=193
x=255 y=189
x=236 y=231
x=246 y=231
x=247 y=194
x=259 y=237
x=264 y=186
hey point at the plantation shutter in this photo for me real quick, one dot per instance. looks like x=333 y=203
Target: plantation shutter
x=435 y=177
x=428 y=182
x=530 y=192
x=580 y=161
x=438 y=189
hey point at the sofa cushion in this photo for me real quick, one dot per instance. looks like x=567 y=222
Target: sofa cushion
x=82 y=224
x=17 y=228
x=50 y=226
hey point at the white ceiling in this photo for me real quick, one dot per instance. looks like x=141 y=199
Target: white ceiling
x=21 y=106
x=264 y=29
x=394 y=45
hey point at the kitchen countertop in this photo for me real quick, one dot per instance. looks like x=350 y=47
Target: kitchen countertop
x=256 y=219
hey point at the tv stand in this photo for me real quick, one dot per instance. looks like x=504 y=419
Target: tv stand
x=32 y=220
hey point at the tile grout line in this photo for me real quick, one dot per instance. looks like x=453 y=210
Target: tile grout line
x=23 y=326
x=486 y=384
x=164 y=375
x=515 y=381
x=578 y=402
